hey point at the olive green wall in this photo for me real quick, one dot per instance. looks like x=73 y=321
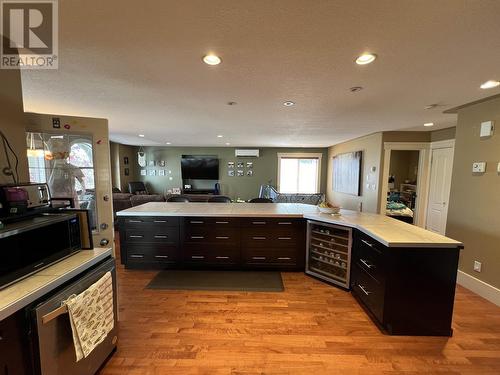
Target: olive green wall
x=265 y=168
x=473 y=215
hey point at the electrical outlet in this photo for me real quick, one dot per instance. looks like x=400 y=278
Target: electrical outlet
x=477 y=266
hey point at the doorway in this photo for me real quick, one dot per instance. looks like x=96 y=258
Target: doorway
x=440 y=185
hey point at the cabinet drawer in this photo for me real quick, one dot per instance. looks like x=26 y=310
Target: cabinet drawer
x=211 y=221
x=213 y=254
x=224 y=235
x=368 y=290
x=273 y=223
x=150 y=222
x=152 y=253
x=163 y=235
x=370 y=256
x=262 y=238
x=270 y=256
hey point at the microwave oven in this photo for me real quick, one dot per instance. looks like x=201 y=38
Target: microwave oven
x=32 y=244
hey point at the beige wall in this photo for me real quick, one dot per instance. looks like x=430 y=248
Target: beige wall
x=371 y=146
x=98 y=128
x=474 y=210
x=12 y=122
x=443 y=134
x=400 y=136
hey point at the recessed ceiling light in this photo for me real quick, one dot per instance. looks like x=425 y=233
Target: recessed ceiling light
x=220 y=136
x=168 y=143
x=366 y=58
x=288 y=103
x=428 y=124
x=490 y=84
x=212 y=59
x=141 y=135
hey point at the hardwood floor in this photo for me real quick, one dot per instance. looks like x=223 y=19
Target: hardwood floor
x=311 y=328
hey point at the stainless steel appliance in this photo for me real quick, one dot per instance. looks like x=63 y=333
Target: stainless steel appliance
x=53 y=349
x=329 y=252
x=36 y=242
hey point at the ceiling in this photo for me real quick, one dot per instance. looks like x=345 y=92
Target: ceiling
x=139 y=64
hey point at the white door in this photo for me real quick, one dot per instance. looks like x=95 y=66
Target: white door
x=439 y=192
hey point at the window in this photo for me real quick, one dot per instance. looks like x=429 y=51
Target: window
x=66 y=164
x=299 y=173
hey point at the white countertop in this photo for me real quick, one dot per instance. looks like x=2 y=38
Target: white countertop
x=22 y=293
x=389 y=231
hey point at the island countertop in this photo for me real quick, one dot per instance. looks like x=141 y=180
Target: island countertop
x=388 y=231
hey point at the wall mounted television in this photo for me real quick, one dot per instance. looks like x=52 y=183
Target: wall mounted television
x=198 y=167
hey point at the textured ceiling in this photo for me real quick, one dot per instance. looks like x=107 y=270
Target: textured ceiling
x=138 y=64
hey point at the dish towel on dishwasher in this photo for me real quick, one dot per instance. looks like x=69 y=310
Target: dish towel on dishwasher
x=91 y=315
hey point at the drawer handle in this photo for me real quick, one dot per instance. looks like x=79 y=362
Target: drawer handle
x=197 y=257
x=135 y=221
x=284 y=258
x=284 y=238
x=259 y=258
x=367 y=243
x=364 y=290
x=258 y=238
x=368 y=265
x=161 y=256
x=161 y=236
x=135 y=236
x=196 y=222
x=284 y=223
x=136 y=256
x=160 y=221
x=259 y=222
x=222 y=237
x=197 y=237
x=221 y=257
x=222 y=222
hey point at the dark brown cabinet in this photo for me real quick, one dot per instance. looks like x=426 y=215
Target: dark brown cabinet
x=407 y=291
x=15 y=356
x=226 y=242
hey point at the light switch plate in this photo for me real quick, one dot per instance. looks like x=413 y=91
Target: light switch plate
x=498 y=167
x=486 y=129
x=479 y=167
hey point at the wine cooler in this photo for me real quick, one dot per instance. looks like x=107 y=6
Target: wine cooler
x=329 y=252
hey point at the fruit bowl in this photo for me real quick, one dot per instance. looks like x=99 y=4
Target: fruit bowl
x=329 y=210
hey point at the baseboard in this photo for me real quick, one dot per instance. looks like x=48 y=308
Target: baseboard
x=479 y=287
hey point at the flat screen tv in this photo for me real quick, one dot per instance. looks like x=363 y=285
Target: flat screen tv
x=194 y=167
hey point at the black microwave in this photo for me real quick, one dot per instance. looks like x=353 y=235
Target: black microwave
x=32 y=244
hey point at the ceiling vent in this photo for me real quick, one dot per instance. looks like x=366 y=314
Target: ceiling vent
x=246 y=153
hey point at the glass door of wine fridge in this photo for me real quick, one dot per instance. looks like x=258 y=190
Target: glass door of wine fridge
x=329 y=252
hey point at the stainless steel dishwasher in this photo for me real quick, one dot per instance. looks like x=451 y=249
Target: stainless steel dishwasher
x=53 y=349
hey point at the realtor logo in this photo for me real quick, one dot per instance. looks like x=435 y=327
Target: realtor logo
x=29 y=34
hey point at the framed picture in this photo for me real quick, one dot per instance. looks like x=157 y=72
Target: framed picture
x=162 y=163
x=346 y=173
x=152 y=172
x=249 y=164
x=143 y=172
x=241 y=165
x=125 y=160
x=230 y=173
x=161 y=172
x=230 y=165
x=240 y=173
x=250 y=173
x=126 y=172
x=151 y=163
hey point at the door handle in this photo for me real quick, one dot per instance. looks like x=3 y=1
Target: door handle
x=160 y=221
x=161 y=236
x=284 y=238
x=284 y=223
x=367 y=243
x=221 y=257
x=222 y=222
x=258 y=238
x=196 y=222
x=222 y=237
x=259 y=258
x=368 y=265
x=197 y=237
x=161 y=256
x=135 y=221
x=284 y=258
x=258 y=222
x=136 y=256
x=135 y=236
x=364 y=290
x=197 y=257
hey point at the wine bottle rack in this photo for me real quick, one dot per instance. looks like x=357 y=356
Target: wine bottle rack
x=329 y=252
